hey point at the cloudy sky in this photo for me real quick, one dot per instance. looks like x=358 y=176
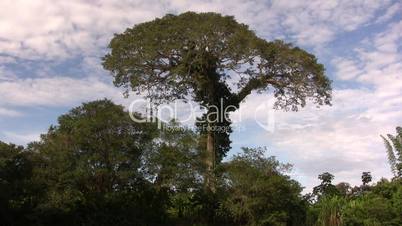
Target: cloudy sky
x=50 y=61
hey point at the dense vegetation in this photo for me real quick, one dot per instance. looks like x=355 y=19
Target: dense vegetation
x=97 y=167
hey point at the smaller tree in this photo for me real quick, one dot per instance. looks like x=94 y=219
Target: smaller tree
x=393 y=145
x=344 y=188
x=326 y=178
x=259 y=193
x=18 y=194
x=326 y=188
x=96 y=147
x=366 y=178
x=90 y=165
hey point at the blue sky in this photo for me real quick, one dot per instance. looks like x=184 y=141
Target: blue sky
x=50 y=61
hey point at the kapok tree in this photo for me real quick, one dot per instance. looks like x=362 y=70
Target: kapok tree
x=214 y=61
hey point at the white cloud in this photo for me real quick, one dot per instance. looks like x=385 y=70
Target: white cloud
x=4 y=112
x=54 y=91
x=344 y=139
x=61 y=29
x=346 y=69
x=389 y=13
x=21 y=138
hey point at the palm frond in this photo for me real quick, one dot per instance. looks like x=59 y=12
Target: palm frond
x=390 y=153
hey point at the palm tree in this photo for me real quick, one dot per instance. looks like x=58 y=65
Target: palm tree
x=393 y=145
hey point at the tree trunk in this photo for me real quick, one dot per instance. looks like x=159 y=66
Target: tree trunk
x=210 y=161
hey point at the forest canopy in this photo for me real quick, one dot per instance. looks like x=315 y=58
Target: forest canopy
x=98 y=167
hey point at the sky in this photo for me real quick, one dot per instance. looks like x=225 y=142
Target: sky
x=50 y=61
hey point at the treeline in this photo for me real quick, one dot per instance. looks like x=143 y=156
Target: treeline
x=98 y=167
x=365 y=205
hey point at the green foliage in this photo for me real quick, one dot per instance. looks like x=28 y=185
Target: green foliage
x=95 y=148
x=366 y=178
x=394 y=150
x=326 y=188
x=18 y=194
x=344 y=189
x=90 y=161
x=174 y=159
x=330 y=211
x=379 y=205
x=165 y=188
x=258 y=191
x=177 y=54
x=97 y=167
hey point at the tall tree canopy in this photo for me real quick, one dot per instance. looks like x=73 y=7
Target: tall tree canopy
x=213 y=60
